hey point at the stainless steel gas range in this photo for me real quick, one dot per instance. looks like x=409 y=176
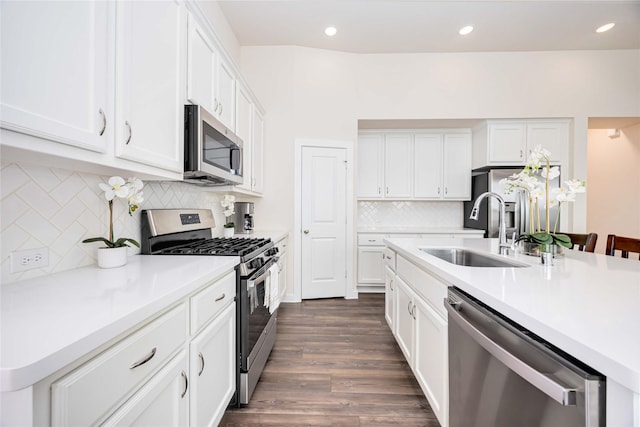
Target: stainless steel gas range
x=188 y=232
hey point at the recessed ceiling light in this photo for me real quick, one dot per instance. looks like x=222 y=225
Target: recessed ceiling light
x=330 y=31
x=465 y=30
x=606 y=27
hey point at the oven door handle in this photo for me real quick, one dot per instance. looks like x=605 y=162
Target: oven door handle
x=252 y=282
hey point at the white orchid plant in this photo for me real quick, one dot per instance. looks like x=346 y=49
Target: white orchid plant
x=119 y=188
x=227 y=204
x=534 y=181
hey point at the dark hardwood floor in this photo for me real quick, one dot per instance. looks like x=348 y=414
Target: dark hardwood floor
x=335 y=363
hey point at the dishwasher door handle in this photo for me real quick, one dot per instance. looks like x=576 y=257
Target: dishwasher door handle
x=561 y=394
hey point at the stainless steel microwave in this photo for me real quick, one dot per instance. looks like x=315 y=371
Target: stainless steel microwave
x=212 y=152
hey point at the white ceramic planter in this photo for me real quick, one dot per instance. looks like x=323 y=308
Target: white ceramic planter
x=111 y=257
x=228 y=232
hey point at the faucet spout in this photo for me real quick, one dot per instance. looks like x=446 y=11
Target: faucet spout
x=502 y=233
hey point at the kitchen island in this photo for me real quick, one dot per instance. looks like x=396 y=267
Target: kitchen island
x=588 y=305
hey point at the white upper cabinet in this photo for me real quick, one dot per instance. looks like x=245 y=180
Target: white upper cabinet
x=406 y=165
x=257 y=152
x=150 y=58
x=211 y=82
x=55 y=71
x=427 y=181
x=457 y=166
x=244 y=129
x=225 y=94
x=201 y=65
x=509 y=142
x=398 y=167
x=370 y=166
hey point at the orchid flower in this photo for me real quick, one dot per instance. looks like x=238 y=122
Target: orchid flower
x=117 y=188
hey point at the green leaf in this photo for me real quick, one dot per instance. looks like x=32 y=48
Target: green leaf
x=123 y=242
x=100 y=239
x=542 y=238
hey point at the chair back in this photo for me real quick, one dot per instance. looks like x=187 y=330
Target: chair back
x=584 y=242
x=624 y=244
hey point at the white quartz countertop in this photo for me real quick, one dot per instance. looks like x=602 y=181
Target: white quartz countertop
x=385 y=229
x=587 y=304
x=51 y=321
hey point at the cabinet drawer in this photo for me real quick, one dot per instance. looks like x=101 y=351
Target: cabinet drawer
x=209 y=302
x=371 y=239
x=433 y=290
x=390 y=258
x=87 y=394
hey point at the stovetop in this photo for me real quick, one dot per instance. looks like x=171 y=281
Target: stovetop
x=232 y=246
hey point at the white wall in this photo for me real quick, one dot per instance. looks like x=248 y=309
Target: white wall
x=312 y=93
x=613 y=181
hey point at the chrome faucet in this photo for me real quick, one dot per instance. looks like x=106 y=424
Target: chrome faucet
x=503 y=246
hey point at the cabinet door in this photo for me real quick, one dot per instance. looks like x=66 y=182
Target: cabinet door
x=225 y=94
x=370 y=264
x=404 y=323
x=430 y=358
x=244 y=119
x=457 y=166
x=55 y=71
x=398 y=166
x=370 y=166
x=149 y=82
x=553 y=136
x=161 y=402
x=201 y=66
x=257 y=161
x=507 y=143
x=389 y=298
x=212 y=372
x=427 y=164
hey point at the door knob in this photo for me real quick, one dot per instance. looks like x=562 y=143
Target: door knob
x=306 y=231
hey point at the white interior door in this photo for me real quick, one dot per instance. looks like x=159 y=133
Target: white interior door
x=323 y=222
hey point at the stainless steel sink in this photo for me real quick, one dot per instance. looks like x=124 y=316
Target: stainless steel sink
x=468 y=258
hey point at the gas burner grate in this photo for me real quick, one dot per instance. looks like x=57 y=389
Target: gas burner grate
x=234 y=246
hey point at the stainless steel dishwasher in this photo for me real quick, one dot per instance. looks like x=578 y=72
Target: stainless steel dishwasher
x=501 y=374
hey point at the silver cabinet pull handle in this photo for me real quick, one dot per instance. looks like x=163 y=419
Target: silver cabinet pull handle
x=413 y=312
x=409 y=308
x=438 y=190
x=130 y=133
x=201 y=357
x=446 y=190
x=388 y=257
x=564 y=395
x=306 y=231
x=221 y=108
x=186 y=384
x=221 y=297
x=144 y=359
x=391 y=284
x=104 y=122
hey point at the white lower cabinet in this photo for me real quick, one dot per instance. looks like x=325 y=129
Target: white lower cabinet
x=161 y=402
x=370 y=264
x=212 y=370
x=176 y=370
x=389 y=297
x=420 y=329
x=404 y=318
x=430 y=358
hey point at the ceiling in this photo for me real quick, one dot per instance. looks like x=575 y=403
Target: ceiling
x=393 y=26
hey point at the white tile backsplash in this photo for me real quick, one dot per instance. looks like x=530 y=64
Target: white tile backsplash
x=410 y=214
x=58 y=208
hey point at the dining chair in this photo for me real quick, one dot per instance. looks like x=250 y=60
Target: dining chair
x=623 y=244
x=584 y=242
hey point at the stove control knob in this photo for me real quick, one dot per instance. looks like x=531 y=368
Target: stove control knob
x=256 y=263
x=272 y=252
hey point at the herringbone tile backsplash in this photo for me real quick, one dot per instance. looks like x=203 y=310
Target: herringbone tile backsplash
x=58 y=208
x=428 y=214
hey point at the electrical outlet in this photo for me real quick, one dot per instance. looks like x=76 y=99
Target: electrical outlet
x=29 y=259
